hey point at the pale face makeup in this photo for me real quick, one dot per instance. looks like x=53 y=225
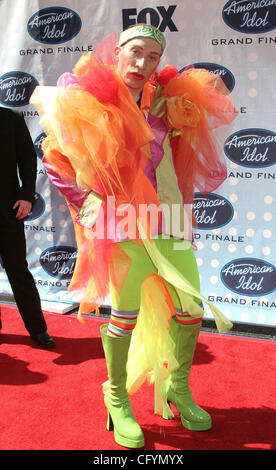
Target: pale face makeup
x=137 y=61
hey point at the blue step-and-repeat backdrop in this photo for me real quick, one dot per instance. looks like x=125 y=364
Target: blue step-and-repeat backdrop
x=235 y=239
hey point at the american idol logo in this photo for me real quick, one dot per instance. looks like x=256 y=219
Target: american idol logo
x=16 y=88
x=249 y=276
x=54 y=25
x=217 y=69
x=212 y=211
x=248 y=16
x=59 y=261
x=38 y=143
x=252 y=147
x=37 y=207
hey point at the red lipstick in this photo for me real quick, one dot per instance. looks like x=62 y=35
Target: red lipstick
x=137 y=76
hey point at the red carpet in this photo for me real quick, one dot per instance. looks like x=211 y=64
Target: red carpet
x=52 y=400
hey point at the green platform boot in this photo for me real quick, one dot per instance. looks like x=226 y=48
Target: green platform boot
x=120 y=417
x=178 y=392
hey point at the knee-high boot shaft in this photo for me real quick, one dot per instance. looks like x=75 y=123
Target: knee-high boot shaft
x=192 y=416
x=127 y=431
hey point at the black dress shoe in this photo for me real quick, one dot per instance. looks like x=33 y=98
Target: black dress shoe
x=44 y=340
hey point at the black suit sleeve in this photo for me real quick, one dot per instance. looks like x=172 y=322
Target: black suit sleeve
x=26 y=160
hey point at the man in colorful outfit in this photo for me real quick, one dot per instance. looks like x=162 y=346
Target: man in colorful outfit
x=102 y=148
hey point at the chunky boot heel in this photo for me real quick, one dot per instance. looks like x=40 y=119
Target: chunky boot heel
x=109 y=423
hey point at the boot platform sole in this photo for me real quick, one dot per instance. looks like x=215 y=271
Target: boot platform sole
x=121 y=440
x=193 y=425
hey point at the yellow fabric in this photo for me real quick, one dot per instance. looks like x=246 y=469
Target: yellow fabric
x=151 y=353
x=185 y=290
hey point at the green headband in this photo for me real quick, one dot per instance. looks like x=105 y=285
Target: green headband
x=145 y=31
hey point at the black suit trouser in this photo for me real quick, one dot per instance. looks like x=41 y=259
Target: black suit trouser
x=13 y=254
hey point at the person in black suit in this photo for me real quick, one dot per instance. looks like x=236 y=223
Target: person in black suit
x=17 y=190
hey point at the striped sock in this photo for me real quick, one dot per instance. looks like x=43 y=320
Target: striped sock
x=185 y=318
x=122 y=322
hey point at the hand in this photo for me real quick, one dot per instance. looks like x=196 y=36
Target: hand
x=24 y=208
x=90 y=209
